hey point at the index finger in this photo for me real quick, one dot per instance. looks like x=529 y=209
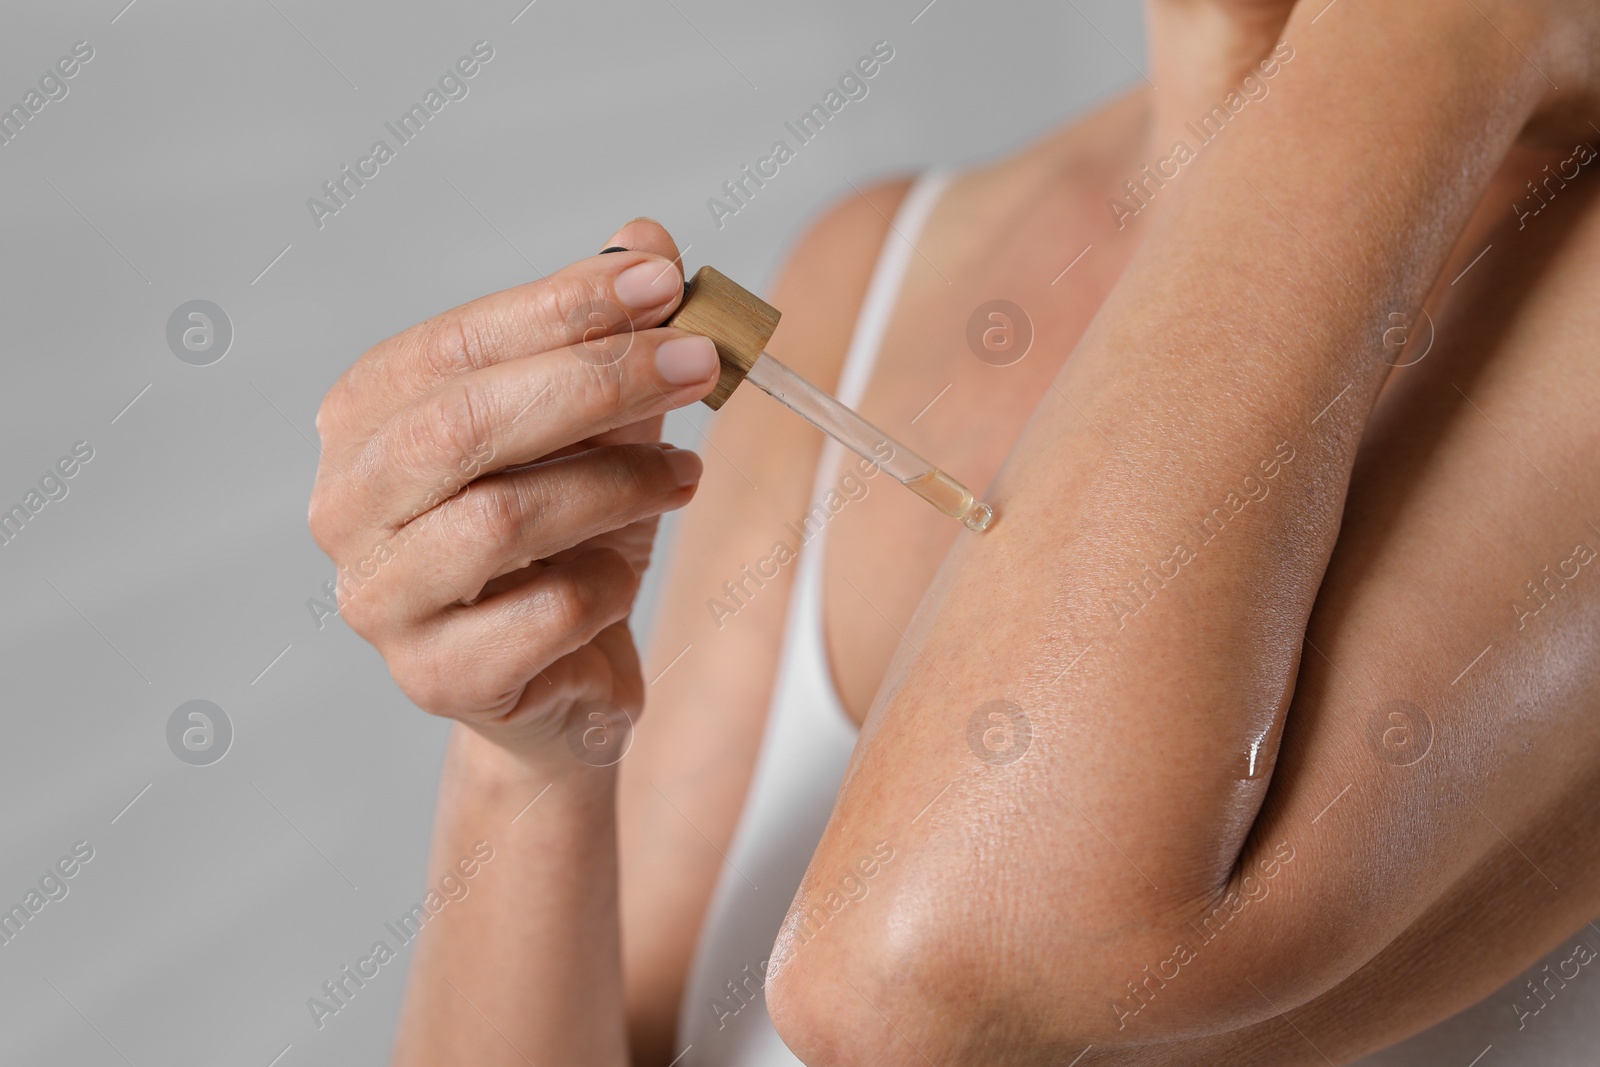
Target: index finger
x=633 y=289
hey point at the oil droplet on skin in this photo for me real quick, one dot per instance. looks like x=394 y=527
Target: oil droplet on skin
x=952 y=498
x=1256 y=761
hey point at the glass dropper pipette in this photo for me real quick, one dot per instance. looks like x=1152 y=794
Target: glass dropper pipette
x=868 y=442
x=739 y=323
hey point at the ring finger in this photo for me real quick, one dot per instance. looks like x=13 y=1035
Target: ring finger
x=504 y=522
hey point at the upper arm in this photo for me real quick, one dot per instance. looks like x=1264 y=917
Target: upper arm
x=713 y=656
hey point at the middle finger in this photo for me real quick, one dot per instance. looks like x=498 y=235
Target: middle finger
x=517 y=413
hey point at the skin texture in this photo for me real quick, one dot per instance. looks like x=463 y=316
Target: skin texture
x=1245 y=309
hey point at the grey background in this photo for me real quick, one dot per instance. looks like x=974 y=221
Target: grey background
x=177 y=168
x=178 y=567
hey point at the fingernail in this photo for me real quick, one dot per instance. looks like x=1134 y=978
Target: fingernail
x=683 y=360
x=613 y=248
x=649 y=284
x=686 y=466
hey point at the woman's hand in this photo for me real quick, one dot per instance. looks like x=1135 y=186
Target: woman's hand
x=490 y=485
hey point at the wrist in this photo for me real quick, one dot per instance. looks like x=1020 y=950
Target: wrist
x=497 y=773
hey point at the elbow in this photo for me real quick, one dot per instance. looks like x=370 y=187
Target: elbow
x=901 y=981
x=929 y=970
x=860 y=999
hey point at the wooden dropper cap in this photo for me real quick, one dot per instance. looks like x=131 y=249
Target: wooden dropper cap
x=738 y=322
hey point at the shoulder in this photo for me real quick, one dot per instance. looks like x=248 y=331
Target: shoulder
x=824 y=278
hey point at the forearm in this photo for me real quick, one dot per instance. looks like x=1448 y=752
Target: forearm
x=1166 y=519
x=526 y=967
x=1169 y=513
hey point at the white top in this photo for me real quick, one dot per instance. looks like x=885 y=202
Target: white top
x=808 y=741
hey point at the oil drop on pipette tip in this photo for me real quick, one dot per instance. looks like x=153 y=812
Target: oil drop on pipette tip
x=952 y=498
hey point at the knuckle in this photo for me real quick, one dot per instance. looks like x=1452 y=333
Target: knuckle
x=320 y=516
x=566 y=302
x=569 y=603
x=580 y=304
x=599 y=340
x=359 y=609
x=578 y=600
x=583 y=600
x=346 y=395
x=460 y=340
x=601 y=390
x=640 y=473
x=357 y=614
x=494 y=517
x=443 y=677
x=327 y=414
x=424 y=677
x=442 y=671
x=457 y=425
x=353 y=394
